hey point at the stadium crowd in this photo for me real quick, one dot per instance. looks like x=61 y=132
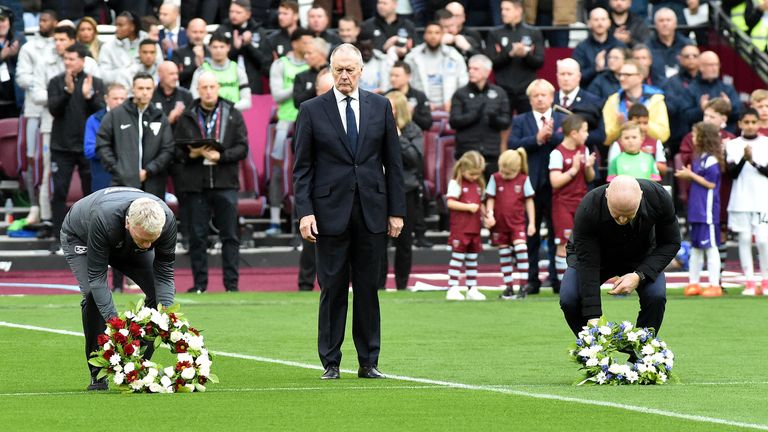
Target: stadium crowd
x=119 y=108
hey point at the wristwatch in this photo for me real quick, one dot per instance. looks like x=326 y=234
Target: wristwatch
x=641 y=275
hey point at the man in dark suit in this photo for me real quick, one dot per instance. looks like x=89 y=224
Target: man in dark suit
x=172 y=36
x=626 y=228
x=579 y=101
x=539 y=132
x=348 y=184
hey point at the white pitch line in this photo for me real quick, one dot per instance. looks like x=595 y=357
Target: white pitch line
x=462 y=386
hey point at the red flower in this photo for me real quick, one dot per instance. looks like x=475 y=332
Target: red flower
x=108 y=354
x=129 y=349
x=102 y=339
x=120 y=338
x=131 y=376
x=195 y=331
x=181 y=346
x=148 y=328
x=135 y=329
x=201 y=379
x=135 y=343
x=116 y=323
x=172 y=317
x=180 y=366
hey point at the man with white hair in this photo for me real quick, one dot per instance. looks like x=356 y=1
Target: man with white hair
x=130 y=230
x=667 y=43
x=579 y=101
x=316 y=56
x=479 y=112
x=626 y=228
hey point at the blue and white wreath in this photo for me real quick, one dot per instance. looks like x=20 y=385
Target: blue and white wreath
x=597 y=345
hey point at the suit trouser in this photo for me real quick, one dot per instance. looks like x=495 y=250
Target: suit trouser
x=307 y=267
x=653 y=299
x=543 y=205
x=137 y=266
x=356 y=252
x=62 y=166
x=222 y=203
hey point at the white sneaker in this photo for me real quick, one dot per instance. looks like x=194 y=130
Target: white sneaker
x=474 y=294
x=748 y=292
x=454 y=294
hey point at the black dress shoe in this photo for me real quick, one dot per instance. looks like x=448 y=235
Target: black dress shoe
x=196 y=290
x=98 y=384
x=422 y=242
x=369 y=372
x=331 y=372
x=531 y=289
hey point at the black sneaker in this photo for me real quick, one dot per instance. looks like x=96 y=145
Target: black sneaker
x=524 y=291
x=196 y=290
x=508 y=294
x=98 y=384
x=46 y=230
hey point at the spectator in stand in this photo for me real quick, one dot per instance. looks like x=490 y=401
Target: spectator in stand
x=615 y=110
x=191 y=56
x=579 y=101
x=136 y=7
x=250 y=46
x=288 y=20
x=680 y=103
x=151 y=25
x=316 y=57
x=552 y=13
x=459 y=19
x=233 y=81
x=517 y=52
x=172 y=35
x=28 y=71
x=631 y=160
x=606 y=82
x=115 y=95
x=667 y=43
x=148 y=53
x=87 y=33
x=591 y=53
x=376 y=64
x=171 y=99
x=119 y=54
x=759 y=101
x=438 y=70
x=399 y=80
x=338 y=10
x=72 y=97
x=282 y=75
x=708 y=85
x=539 y=131
x=655 y=77
x=135 y=141
x=210 y=181
x=479 y=112
x=390 y=31
x=466 y=41
x=638 y=114
x=627 y=26
x=349 y=29
x=318 y=23
x=9 y=101
x=716 y=112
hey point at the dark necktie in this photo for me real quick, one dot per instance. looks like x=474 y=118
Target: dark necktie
x=351 y=125
x=565 y=101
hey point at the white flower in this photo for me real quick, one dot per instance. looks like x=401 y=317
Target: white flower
x=119 y=377
x=605 y=330
x=604 y=361
x=642 y=368
x=204 y=371
x=160 y=319
x=195 y=342
x=583 y=334
x=169 y=371
x=156 y=388
x=175 y=336
x=148 y=364
x=178 y=323
x=658 y=358
x=203 y=360
x=670 y=354
x=615 y=369
x=632 y=336
x=592 y=362
x=165 y=381
x=108 y=346
x=129 y=315
x=600 y=378
x=663 y=344
x=118 y=368
x=191 y=387
x=632 y=376
x=663 y=377
x=670 y=362
x=137 y=352
x=123 y=332
x=588 y=339
x=115 y=359
x=137 y=384
x=627 y=326
x=648 y=350
x=110 y=331
x=129 y=367
x=143 y=314
x=655 y=343
x=188 y=373
x=152 y=373
x=182 y=357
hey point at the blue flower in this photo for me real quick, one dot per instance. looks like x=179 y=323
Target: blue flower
x=620 y=377
x=668 y=367
x=604 y=368
x=579 y=342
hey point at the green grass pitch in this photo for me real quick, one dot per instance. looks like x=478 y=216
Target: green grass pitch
x=500 y=366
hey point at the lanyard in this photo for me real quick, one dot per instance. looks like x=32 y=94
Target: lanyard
x=207 y=127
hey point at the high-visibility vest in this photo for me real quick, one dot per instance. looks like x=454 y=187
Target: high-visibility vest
x=737 y=17
x=229 y=84
x=286 y=110
x=759 y=34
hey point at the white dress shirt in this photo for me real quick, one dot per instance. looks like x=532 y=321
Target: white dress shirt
x=341 y=104
x=547 y=115
x=571 y=97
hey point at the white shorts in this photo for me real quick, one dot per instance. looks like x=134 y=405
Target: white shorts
x=749 y=222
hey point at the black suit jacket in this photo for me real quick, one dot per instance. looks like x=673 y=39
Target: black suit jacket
x=326 y=173
x=524 y=130
x=600 y=248
x=590 y=107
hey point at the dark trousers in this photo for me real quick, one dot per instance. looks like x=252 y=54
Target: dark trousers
x=356 y=253
x=653 y=300
x=543 y=204
x=137 y=266
x=403 y=246
x=62 y=166
x=307 y=267
x=518 y=102
x=222 y=205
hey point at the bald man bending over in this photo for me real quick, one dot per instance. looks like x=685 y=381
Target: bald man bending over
x=628 y=229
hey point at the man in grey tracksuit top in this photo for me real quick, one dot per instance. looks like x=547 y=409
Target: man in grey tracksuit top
x=135 y=233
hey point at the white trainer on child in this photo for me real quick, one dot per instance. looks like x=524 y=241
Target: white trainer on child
x=454 y=294
x=474 y=294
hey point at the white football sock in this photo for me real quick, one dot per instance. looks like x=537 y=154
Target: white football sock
x=713 y=266
x=695 y=263
x=745 y=255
